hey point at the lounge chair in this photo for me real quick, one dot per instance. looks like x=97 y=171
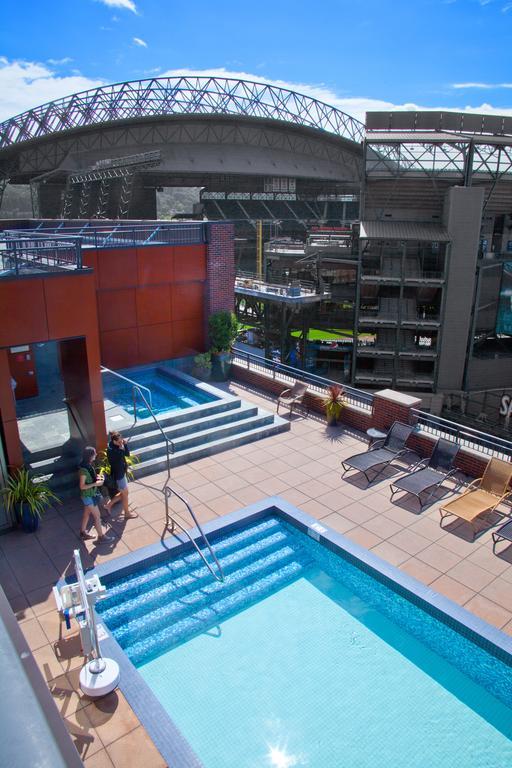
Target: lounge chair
x=435 y=470
x=292 y=397
x=381 y=453
x=483 y=495
x=502 y=534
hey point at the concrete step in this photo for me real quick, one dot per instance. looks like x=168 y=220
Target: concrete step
x=194 y=426
x=158 y=463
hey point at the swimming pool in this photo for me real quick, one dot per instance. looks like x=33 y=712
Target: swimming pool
x=169 y=392
x=306 y=656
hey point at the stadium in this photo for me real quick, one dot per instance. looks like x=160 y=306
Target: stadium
x=400 y=227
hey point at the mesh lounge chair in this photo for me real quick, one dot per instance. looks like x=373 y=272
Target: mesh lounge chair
x=292 y=397
x=483 y=495
x=434 y=472
x=382 y=452
x=502 y=534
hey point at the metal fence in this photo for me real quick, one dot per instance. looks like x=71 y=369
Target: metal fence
x=35 y=255
x=464 y=436
x=125 y=235
x=287 y=373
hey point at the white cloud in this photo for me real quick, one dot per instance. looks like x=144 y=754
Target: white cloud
x=507 y=7
x=26 y=84
x=139 y=41
x=482 y=86
x=126 y=5
x=356 y=106
x=60 y=62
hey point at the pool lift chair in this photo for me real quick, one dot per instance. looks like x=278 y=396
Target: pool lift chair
x=99 y=675
x=430 y=473
x=382 y=452
x=482 y=496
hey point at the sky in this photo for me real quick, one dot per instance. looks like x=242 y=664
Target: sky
x=357 y=55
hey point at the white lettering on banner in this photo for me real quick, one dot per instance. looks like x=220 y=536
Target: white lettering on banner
x=506 y=406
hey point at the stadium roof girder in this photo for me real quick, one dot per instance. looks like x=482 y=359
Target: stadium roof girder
x=160 y=97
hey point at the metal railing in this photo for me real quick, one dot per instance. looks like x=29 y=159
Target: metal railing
x=251 y=281
x=22 y=256
x=466 y=437
x=289 y=374
x=167 y=490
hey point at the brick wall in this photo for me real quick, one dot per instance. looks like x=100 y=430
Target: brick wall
x=220 y=268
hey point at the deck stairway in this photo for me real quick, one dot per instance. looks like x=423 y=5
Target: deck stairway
x=194 y=434
x=151 y=611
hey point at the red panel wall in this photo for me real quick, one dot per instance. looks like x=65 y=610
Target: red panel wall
x=150 y=302
x=55 y=307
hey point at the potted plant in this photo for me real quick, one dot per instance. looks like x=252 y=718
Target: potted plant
x=333 y=404
x=27 y=497
x=202 y=366
x=223 y=328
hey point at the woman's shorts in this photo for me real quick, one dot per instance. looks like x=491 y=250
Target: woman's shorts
x=91 y=501
x=122 y=483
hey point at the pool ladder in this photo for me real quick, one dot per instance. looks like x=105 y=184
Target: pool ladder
x=166 y=490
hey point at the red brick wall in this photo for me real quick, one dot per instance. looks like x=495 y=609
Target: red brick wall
x=220 y=268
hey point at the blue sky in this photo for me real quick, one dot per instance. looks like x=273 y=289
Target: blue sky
x=452 y=54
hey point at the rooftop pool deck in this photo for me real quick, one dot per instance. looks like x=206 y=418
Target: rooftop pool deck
x=303 y=467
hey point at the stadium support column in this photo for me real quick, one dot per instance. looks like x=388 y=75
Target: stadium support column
x=220 y=268
x=462 y=218
x=50 y=199
x=142 y=204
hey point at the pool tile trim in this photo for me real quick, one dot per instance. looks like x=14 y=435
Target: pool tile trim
x=161 y=728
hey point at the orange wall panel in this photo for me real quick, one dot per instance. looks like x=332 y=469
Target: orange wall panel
x=117 y=268
x=188 y=337
x=189 y=263
x=117 y=309
x=153 y=305
x=23 y=319
x=119 y=349
x=155 y=264
x=70 y=305
x=187 y=301
x=155 y=342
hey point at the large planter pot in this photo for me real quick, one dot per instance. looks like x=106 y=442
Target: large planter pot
x=29 y=522
x=221 y=366
x=204 y=374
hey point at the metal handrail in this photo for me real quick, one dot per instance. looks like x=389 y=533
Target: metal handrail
x=358 y=396
x=463 y=435
x=166 y=489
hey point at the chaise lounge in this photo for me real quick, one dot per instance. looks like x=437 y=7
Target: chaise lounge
x=438 y=468
x=382 y=452
x=482 y=496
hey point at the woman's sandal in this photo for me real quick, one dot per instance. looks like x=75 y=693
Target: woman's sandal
x=85 y=536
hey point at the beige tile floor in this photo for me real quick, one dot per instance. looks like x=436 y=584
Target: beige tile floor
x=303 y=467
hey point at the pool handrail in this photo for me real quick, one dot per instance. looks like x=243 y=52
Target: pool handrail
x=166 y=489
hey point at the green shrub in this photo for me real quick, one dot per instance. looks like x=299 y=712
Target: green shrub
x=223 y=329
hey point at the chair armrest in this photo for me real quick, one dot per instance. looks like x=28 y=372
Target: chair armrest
x=475 y=483
x=377 y=444
x=284 y=392
x=423 y=463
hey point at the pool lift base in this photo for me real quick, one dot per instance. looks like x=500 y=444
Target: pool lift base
x=99 y=677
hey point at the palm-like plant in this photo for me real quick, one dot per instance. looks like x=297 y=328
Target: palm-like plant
x=103 y=464
x=333 y=403
x=26 y=490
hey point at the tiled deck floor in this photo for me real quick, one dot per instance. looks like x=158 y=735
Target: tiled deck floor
x=302 y=466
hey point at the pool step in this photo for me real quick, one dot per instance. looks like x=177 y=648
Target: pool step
x=175 y=611
x=179 y=588
x=140 y=583
x=152 y=611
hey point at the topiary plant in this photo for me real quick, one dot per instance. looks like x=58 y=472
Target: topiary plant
x=223 y=329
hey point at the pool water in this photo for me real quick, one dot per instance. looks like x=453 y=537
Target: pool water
x=168 y=393
x=302 y=659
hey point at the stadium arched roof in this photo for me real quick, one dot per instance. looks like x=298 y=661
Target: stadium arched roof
x=160 y=97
